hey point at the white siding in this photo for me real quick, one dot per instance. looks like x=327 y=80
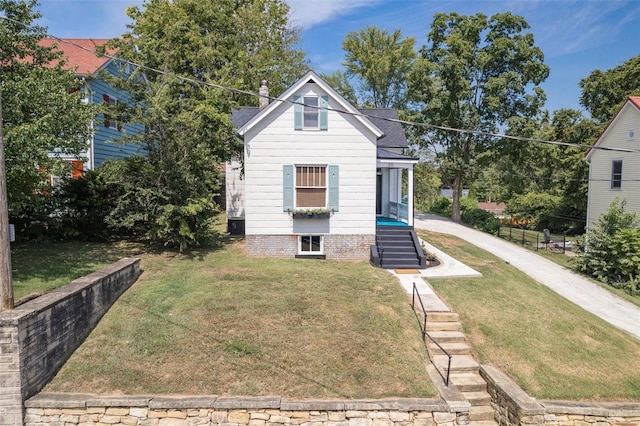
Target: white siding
x=234 y=189
x=617 y=135
x=274 y=143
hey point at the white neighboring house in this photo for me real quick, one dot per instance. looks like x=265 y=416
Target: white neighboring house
x=310 y=151
x=615 y=174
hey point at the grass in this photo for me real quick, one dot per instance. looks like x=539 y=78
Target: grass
x=552 y=348
x=223 y=323
x=38 y=267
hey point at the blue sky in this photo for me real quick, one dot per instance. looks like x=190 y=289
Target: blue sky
x=576 y=37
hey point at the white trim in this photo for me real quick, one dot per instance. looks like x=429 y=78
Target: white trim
x=287 y=95
x=310 y=253
x=628 y=104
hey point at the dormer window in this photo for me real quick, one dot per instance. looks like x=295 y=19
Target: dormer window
x=311 y=112
x=310 y=116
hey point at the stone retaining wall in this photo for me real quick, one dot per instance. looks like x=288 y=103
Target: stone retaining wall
x=37 y=337
x=48 y=409
x=514 y=407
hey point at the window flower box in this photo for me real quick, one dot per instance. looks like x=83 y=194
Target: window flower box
x=311 y=214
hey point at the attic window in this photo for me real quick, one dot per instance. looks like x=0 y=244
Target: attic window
x=311 y=111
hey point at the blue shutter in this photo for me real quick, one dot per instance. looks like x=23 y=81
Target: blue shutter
x=297 y=112
x=334 y=188
x=287 y=187
x=324 y=119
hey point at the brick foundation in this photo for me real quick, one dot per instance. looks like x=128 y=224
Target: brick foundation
x=345 y=247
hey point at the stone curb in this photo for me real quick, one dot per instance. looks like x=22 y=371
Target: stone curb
x=80 y=400
x=601 y=409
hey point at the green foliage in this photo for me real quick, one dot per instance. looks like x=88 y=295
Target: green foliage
x=426 y=184
x=603 y=92
x=42 y=109
x=533 y=208
x=380 y=62
x=441 y=206
x=612 y=249
x=481 y=219
x=167 y=197
x=340 y=82
x=476 y=73
x=176 y=211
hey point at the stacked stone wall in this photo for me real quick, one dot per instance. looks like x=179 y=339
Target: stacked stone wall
x=81 y=409
x=514 y=407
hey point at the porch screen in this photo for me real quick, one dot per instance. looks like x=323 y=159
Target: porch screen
x=311 y=186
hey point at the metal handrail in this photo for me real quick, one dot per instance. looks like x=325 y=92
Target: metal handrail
x=423 y=327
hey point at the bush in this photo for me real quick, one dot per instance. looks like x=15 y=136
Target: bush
x=441 y=206
x=481 y=219
x=611 y=250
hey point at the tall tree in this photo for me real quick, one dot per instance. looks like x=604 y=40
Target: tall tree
x=475 y=73
x=603 y=92
x=340 y=82
x=44 y=117
x=201 y=49
x=379 y=61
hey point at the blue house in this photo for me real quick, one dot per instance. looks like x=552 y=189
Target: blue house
x=106 y=140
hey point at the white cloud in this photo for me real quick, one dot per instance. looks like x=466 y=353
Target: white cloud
x=307 y=13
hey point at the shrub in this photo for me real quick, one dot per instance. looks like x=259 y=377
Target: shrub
x=481 y=219
x=611 y=250
x=533 y=208
x=441 y=206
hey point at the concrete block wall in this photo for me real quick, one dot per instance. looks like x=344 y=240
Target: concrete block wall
x=37 y=337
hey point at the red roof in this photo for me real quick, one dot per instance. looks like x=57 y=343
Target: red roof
x=635 y=100
x=492 y=207
x=80 y=53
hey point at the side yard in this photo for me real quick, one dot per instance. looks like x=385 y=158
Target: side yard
x=219 y=322
x=551 y=347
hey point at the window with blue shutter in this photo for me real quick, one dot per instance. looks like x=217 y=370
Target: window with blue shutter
x=324 y=113
x=297 y=112
x=287 y=187
x=334 y=188
x=310 y=112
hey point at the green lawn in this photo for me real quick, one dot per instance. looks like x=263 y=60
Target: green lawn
x=551 y=347
x=41 y=266
x=220 y=322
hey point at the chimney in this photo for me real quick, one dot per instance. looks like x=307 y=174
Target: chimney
x=263 y=100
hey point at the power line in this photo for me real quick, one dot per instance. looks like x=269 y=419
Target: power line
x=358 y=114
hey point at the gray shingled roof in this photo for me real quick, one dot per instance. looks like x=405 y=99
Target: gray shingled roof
x=393 y=137
x=383 y=154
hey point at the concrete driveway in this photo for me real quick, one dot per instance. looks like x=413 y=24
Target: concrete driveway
x=566 y=283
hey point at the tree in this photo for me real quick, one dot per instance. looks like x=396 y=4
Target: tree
x=340 y=82
x=603 y=92
x=475 y=74
x=380 y=62
x=201 y=49
x=44 y=117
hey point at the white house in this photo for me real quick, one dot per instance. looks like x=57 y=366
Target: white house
x=615 y=174
x=318 y=175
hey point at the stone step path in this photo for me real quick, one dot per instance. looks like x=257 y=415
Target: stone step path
x=445 y=328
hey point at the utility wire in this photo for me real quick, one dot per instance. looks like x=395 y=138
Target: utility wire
x=356 y=114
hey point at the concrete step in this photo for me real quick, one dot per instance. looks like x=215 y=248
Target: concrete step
x=443 y=326
x=481 y=413
x=453 y=348
x=447 y=336
x=459 y=363
x=442 y=317
x=468 y=382
x=478 y=398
